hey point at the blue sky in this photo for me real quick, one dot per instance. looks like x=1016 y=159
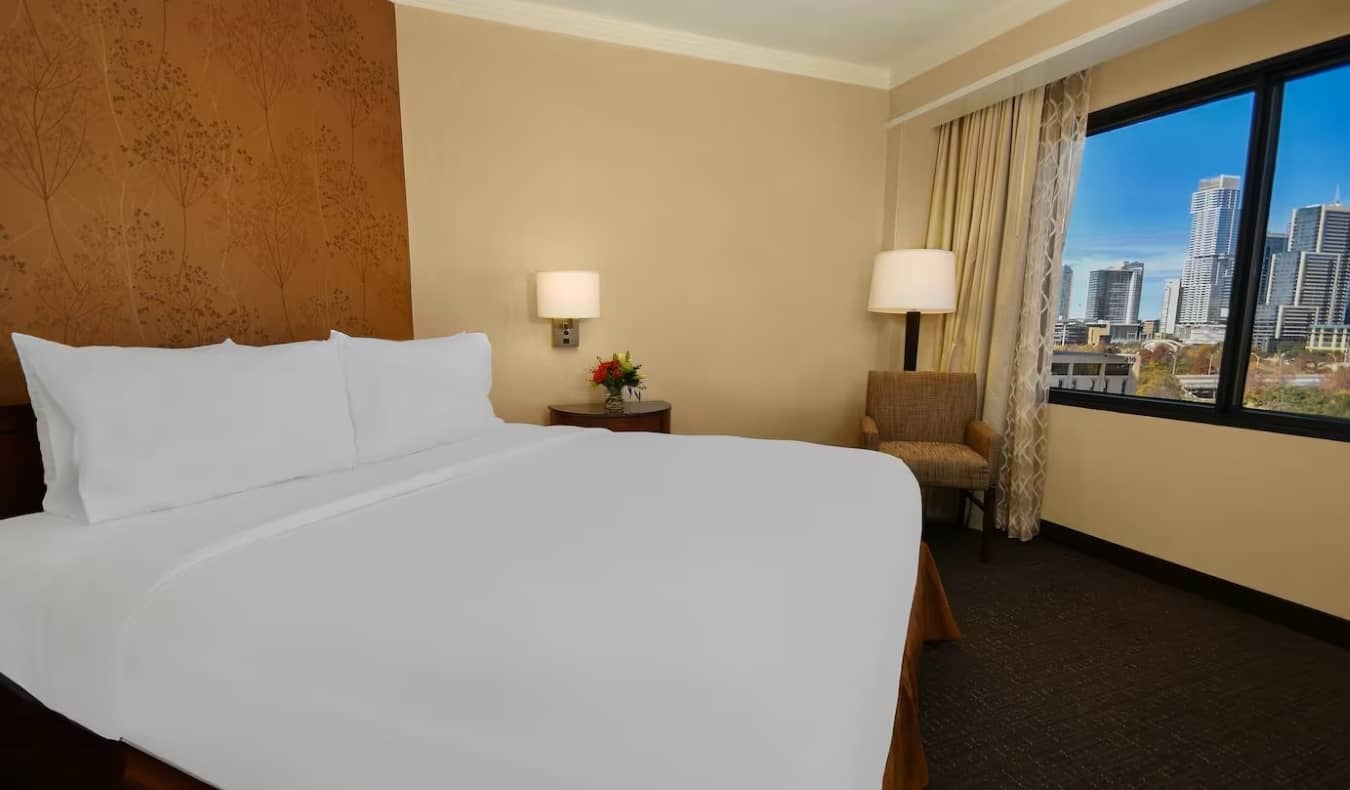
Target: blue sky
x=1134 y=191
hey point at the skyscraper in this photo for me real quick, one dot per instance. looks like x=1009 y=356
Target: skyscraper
x=1113 y=293
x=1065 y=290
x=1275 y=243
x=1309 y=282
x=1171 y=306
x=1207 y=275
x=1318 y=259
x=1324 y=228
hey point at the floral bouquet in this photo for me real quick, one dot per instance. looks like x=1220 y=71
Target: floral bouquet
x=616 y=374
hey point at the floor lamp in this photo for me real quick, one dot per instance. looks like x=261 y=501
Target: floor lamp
x=913 y=282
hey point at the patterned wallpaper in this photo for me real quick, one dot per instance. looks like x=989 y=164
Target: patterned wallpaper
x=174 y=172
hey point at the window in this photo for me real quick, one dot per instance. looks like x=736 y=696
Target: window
x=1152 y=238
x=1059 y=368
x=1207 y=257
x=1299 y=362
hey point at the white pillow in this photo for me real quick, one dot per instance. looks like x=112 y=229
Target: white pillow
x=157 y=428
x=408 y=395
x=56 y=437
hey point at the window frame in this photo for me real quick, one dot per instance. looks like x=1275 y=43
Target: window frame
x=1265 y=81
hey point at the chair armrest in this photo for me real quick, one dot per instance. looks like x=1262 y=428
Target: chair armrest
x=983 y=440
x=871 y=436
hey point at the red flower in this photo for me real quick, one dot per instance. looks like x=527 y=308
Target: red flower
x=606 y=370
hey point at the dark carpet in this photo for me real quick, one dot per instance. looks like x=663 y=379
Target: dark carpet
x=1076 y=673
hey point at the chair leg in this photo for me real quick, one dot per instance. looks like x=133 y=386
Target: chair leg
x=990 y=508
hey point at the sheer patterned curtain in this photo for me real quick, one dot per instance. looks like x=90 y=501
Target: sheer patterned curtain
x=1001 y=195
x=1059 y=156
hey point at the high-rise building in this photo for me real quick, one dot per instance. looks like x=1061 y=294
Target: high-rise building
x=1065 y=291
x=1136 y=290
x=1171 y=306
x=1310 y=279
x=1309 y=282
x=1214 y=216
x=1207 y=275
x=1113 y=293
x=1275 y=243
x=1324 y=228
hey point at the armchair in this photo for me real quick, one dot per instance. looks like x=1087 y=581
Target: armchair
x=928 y=421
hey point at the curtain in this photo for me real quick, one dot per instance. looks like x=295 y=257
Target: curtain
x=1059 y=155
x=1002 y=190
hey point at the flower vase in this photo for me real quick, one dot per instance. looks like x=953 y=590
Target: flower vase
x=614 y=402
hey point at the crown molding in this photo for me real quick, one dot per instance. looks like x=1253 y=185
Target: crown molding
x=1152 y=23
x=1001 y=18
x=552 y=19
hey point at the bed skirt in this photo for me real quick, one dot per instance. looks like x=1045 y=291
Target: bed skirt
x=930 y=620
x=47 y=750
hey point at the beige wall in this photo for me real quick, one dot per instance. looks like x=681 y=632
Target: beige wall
x=1263 y=510
x=732 y=213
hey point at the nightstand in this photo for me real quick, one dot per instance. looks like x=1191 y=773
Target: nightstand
x=644 y=415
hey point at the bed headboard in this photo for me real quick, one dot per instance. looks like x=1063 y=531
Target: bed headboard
x=21 y=486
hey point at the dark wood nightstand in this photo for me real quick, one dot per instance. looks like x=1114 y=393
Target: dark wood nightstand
x=643 y=415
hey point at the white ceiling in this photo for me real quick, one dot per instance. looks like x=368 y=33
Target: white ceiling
x=873 y=42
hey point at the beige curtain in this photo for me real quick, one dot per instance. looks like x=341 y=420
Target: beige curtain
x=1001 y=195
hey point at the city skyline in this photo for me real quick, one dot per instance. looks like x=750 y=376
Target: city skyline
x=1153 y=169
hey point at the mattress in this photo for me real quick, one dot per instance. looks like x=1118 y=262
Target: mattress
x=531 y=607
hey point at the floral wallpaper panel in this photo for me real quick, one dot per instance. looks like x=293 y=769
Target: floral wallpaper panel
x=175 y=172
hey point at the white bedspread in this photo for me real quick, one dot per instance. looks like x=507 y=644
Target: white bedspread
x=531 y=608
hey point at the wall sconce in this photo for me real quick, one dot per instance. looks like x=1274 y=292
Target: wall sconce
x=566 y=297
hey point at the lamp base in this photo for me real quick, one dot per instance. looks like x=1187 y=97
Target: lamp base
x=566 y=333
x=912 y=340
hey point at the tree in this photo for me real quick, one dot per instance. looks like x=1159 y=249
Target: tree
x=1302 y=400
x=1156 y=381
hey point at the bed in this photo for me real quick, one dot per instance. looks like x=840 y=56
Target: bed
x=530 y=607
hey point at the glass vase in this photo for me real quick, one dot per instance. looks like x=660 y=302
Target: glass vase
x=614 y=402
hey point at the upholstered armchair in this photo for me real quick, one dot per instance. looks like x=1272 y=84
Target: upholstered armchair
x=928 y=421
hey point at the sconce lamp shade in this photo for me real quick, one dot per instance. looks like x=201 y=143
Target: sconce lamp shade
x=913 y=281
x=568 y=294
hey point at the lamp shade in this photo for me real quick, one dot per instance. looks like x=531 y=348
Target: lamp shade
x=568 y=294
x=913 y=281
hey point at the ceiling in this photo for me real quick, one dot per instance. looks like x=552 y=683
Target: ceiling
x=874 y=42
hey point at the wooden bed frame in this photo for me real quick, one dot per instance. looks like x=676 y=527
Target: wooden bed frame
x=21 y=486
x=48 y=750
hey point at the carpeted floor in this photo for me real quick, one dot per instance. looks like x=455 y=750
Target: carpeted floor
x=1075 y=673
